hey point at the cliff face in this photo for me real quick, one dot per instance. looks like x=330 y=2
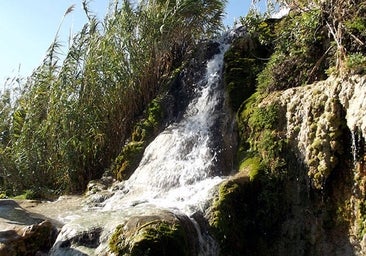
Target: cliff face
x=325 y=128
x=311 y=201
x=325 y=124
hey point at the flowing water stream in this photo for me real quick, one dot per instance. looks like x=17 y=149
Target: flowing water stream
x=177 y=171
x=177 y=168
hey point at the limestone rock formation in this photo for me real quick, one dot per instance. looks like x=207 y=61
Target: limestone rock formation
x=325 y=125
x=316 y=206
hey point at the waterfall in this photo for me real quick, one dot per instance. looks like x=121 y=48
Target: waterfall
x=357 y=145
x=177 y=172
x=354 y=147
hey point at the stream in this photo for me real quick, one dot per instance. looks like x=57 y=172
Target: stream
x=177 y=174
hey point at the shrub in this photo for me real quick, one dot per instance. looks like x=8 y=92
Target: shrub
x=300 y=53
x=356 y=63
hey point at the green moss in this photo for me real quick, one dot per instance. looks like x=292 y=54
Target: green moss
x=224 y=218
x=115 y=241
x=264 y=117
x=128 y=160
x=243 y=61
x=252 y=164
x=143 y=132
x=156 y=238
x=242 y=206
x=258 y=134
x=149 y=125
x=240 y=218
x=247 y=109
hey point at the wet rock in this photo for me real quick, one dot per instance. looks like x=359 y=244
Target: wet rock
x=13 y=216
x=32 y=240
x=316 y=208
x=96 y=186
x=233 y=216
x=24 y=232
x=163 y=234
x=317 y=118
x=134 y=231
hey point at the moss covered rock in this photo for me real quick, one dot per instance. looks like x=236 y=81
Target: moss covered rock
x=155 y=235
x=243 y=61
x=239 y=217
x=315 y=206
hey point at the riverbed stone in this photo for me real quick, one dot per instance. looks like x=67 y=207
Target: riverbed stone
x=23 y=233
x=163 y=234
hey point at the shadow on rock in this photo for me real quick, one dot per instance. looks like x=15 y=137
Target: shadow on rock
x=23 y=233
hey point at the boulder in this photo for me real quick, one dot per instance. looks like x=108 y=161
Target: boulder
x=135 y=231
x=22 y=233
x=163 y=234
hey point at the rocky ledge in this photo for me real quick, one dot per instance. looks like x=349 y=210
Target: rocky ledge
x=24 y=233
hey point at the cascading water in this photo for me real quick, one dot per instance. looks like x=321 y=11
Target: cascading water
x=176 y=169
x=358 y=145
x=177 y=172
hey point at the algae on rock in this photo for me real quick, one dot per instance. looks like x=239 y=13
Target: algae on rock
x=314 y=196
x=166 y=234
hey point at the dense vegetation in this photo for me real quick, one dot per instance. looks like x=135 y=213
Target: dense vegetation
x=315 y=40
x=70 y=119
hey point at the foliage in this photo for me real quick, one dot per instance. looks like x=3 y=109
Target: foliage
x=260 y=26
x=343 y=20
x=72 y=118
x=300 y=53
x=356 y=63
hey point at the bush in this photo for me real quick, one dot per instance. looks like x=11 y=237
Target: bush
x=356 y=63
x=300 y=53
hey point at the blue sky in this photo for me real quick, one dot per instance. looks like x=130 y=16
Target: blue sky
x=28 y=27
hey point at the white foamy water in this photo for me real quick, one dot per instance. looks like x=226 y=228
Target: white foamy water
x=176 y=168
